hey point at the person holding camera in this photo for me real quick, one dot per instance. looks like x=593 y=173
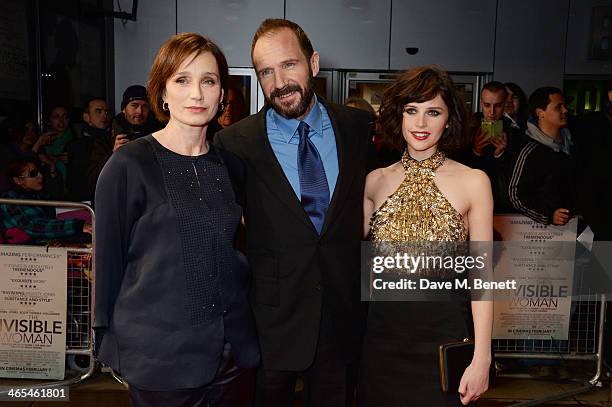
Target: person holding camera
x=133 y=122
x=495 y=143
x=172 y=314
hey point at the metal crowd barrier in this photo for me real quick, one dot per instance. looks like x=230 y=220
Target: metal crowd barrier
x=80 y=299
x=585 y=341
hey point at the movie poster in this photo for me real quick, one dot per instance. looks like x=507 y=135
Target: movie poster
x=541 y=260
x=32 y=312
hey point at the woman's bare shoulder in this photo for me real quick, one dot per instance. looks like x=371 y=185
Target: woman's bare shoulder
x=467 y=176
x=376 y=179
x=380 y=174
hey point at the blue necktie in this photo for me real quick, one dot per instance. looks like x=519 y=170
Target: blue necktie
x=313 y=182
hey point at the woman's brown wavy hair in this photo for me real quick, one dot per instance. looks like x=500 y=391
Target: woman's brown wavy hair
x=419 y=85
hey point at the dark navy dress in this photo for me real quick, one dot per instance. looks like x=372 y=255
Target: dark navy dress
x=171 y=291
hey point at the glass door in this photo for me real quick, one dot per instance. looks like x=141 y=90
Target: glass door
x=245 y=81
x=370 y=86
x=326 y=85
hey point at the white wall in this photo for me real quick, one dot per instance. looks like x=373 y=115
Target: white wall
x=530 y=42
x=137 y=42
x=577 y=59
x=530 y=37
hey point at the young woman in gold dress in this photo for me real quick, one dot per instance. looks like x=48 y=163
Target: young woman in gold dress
x=424 y=197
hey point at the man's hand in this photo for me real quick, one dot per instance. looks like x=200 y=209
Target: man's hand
x=120 y=140
x=561 y=216
x=479 y=143
x=500 y=143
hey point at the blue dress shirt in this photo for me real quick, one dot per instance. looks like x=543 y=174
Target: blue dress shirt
x=284 y=140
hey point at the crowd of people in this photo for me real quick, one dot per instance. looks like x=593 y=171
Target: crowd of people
x=70 y=156
x=184 y=317
x=541 y=162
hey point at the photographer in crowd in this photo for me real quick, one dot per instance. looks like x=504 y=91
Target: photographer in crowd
x=134 y=121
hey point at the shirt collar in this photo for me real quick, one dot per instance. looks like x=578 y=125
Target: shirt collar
x=288 y=127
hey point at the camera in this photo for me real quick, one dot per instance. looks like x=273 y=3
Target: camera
x=135 y=134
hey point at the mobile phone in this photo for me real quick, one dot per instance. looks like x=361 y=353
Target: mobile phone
x=490 y=129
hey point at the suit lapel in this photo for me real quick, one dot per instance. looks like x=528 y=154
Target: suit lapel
x=256 y=146
x=346 y=150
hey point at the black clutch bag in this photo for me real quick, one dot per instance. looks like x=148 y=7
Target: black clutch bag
x=455 y=357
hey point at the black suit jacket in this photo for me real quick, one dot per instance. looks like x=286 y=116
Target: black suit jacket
x=302 y=279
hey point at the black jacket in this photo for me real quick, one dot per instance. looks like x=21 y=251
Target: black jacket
x=102 y=147
x=592 y=135
x=498 y=169
x=79 y=157
x=142 y=300
x=302 y=279
x=543 y=181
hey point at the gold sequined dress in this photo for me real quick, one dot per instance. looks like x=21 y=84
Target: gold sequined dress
x=399 y=364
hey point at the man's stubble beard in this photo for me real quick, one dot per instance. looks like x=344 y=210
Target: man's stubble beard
x=305 y=100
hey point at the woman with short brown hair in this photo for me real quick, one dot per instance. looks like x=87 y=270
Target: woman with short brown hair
x=171 y=290
x=425 y=197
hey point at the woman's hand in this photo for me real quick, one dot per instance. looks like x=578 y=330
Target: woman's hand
x=46 y=159
x=42 y=141
x=63 y=157
x=52 y=170
x=475 y=381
